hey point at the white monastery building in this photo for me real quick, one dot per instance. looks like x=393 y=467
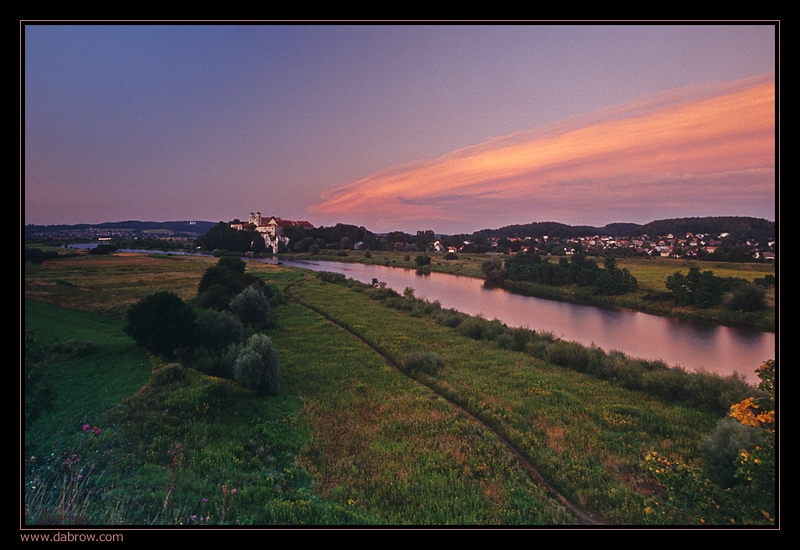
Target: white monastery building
x=272 y=229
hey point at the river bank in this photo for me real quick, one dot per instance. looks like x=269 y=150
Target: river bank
x=689 y=344
x=651 y=274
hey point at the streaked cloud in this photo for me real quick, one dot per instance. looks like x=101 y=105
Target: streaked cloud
x=710 y=145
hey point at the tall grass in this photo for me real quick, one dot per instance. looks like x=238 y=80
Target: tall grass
x=586 y=434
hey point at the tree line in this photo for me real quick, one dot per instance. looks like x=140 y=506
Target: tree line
x=578 y=269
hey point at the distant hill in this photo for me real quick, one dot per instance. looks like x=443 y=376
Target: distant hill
x=737 y=226
x=559 y=230
x=175 y=228
x=714 y=225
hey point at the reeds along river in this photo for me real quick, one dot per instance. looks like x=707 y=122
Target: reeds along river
x=690 y=344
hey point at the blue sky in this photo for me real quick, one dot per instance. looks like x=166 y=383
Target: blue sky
x=357 y=123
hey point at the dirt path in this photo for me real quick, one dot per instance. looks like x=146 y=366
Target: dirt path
x=583 y=517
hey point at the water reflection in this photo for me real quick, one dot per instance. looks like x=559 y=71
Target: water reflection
x=691 y=344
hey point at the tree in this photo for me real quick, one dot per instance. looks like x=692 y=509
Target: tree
x=257 y=367
x=161 y=323
x=422 y=260
x=220 y=275
x=701 y=289
x=493 y=270
x=233 y=263
x=252 y=307
x=746 y=297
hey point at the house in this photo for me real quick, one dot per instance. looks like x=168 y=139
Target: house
x=273 y=229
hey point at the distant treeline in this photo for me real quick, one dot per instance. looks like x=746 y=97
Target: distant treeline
x=738 y=227
x=187 y=228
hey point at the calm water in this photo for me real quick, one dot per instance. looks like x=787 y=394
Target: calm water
x=690 y=344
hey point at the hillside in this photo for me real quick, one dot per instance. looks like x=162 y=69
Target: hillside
x=189 y=229
x=715 y=225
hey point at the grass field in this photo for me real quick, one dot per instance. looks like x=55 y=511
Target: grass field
x=350 y=440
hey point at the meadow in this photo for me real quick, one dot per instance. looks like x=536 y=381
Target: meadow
x=353 y=438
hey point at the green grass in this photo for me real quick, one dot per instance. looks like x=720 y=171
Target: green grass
x=586 y=436
x=348 y=441
x=86 y=385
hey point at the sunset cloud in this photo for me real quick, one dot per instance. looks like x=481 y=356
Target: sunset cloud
x=705 y=145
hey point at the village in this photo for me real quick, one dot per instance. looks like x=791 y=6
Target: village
x=281 y=235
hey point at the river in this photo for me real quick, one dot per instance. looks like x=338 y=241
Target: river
x=693 y=345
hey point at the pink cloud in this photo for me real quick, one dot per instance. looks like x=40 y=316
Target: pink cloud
x=710 y=143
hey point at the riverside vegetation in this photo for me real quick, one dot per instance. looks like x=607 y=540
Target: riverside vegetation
x=383 y=409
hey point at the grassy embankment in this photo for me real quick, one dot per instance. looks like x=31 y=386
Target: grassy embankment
x=650 y=273
x=348 y=441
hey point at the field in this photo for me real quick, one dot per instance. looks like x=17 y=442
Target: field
x=495 y=437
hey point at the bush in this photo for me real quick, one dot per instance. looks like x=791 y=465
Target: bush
x=216 y=296
x=570 y=355
x=472 y=327
x=217 y=330
x=252 y=307
x=232 y=263
x=720 y=448
x=74 y=348
x=161 y=323
x=746 y=297
x=515 y=339
x=257 y=367
x=171 y=372
x=449 y=318
x=220 y=363
x=422 y=362
x=221 y=275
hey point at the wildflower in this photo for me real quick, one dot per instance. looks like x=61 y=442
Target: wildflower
x=85 y=428
x=96 y=431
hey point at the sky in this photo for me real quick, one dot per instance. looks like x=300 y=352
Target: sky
x=449 y=127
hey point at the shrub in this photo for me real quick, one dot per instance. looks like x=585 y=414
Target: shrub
x=220 y=275
x=74 y=348
x=216 y=296
x=472 y=327
x=233 y=263
x=721 y=447
x=252 y=307
x=570 y=355
x=219 y=363
x=257 y=367
x=515 y=339
x=171 y=372
x=449 y=318
x=422 y=362
x=746 y=297
x=161 y=323
x=217 y=330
